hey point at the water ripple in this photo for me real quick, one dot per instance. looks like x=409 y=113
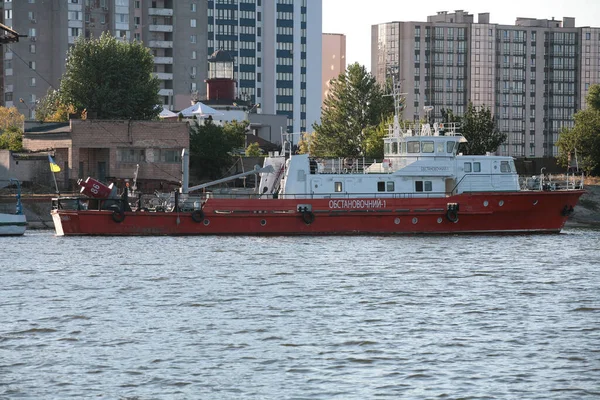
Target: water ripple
x=472 y=317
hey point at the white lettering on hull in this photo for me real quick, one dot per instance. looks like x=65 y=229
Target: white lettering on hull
x=356 y=204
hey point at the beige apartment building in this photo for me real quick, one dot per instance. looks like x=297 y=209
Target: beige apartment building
x=534 y=75
x=174 y=30
x=334 y=59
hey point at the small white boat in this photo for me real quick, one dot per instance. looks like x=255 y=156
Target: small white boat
x=14 y=224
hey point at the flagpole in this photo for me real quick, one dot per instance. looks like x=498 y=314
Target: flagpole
x=55 y=184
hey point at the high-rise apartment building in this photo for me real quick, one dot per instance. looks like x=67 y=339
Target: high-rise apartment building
x=175 y=31
x=334 y=59
x=276 y=47
x=534 y=75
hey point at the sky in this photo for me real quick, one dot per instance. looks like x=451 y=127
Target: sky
x=354 y=18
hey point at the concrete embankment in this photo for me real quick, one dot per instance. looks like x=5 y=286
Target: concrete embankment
x=37 y=209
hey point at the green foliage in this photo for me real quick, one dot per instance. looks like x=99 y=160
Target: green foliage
x=236 y=133
x=583 y=140
x=11 y=139
x=479 y=128
x=374 y=139
x=253 y=150
x=211 y=146
x=356 y=105
x=10 y=118
x=112 y=78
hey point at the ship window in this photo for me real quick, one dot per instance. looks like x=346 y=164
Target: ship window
x=428 y=186
x=381 y=186
x=386 y=148
x=413 y=147
x=476 y=167
x=440 y=147
x=403 y=147
x=504 y=166
x=395 y=148
x=418 y=186
x=390 y=186
x=338 y=186
x=427 y=147
x=449 y=147
x=467 y=167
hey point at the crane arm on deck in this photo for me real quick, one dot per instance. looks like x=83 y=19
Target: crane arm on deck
x=257 y=170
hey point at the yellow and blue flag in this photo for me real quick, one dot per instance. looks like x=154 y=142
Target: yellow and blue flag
x=53 y=166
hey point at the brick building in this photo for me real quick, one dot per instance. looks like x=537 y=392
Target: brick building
x=111 y=150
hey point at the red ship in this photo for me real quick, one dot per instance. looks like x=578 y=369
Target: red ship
x=423 y=185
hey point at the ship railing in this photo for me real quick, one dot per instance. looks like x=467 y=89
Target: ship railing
x=568 y=181
x=351 y=166
x=407 y=129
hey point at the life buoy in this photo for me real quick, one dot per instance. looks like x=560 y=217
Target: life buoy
x=118 y=216
x=452 y=215
x=198 y=215
x=308 y=217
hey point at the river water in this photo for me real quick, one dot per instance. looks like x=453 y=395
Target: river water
x=477 y=317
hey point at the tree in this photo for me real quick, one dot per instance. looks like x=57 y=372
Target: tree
x=478 y=127
x=11 y=139
x=11 y=118
x=253 y=150
x=583 y=140
x=374 y=139
x=235 y=133
x=112 y=78
x=211 y=146
x=11 y=133
x=356 y=104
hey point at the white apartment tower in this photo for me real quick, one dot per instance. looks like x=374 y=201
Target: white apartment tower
x=276 y=47
x=534 y=75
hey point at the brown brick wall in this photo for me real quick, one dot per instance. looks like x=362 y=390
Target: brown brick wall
x=97 y=141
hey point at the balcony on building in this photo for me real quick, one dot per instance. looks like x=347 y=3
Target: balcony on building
x=166 y=12
x=160 y=28
x=164 y=76
x=163 y=60
x=161 y=44
x=165 y=92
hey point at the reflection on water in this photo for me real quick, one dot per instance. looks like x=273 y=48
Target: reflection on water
x=308 y=317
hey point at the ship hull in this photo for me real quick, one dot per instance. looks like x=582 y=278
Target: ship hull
x=12 y=224
x=520 y=212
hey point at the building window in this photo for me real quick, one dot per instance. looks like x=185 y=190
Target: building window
x=194 y=54
x=137 y=4
x=32 y=48
x=192 y=23
x=193 y=7
x=31 y=81
x=192 y=38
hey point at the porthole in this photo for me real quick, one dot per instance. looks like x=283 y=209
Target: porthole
x=397 y=221
x=501 y=203
x=486 y=203
x=263 y=222
x=439 y=220
x=415 y=220
x=206 y=222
